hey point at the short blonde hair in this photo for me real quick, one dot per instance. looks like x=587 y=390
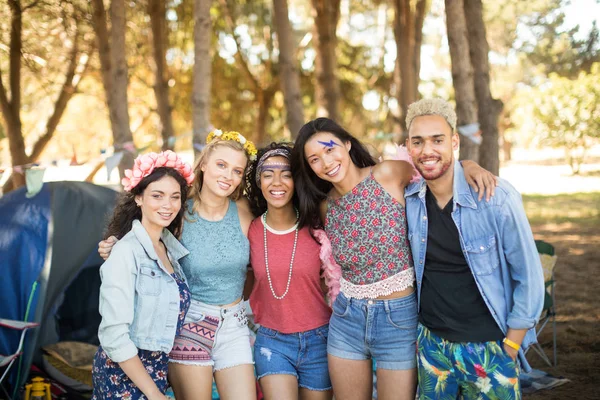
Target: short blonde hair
x=431 y=107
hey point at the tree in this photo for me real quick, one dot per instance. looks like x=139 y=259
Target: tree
x=408 y=32
x=112 y=53
x=488 y=108
x=202 y=74
x=566 y=114
x=288 y=67
x=76 y=60
x=265 y=85
x=462 y=74
x=557 y=48
x=326 y=15
x=157 y=11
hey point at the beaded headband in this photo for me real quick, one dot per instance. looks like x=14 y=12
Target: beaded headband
x=283 y=152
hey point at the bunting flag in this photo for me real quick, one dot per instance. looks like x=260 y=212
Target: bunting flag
x=34 y=179
x=111 y=162
x=471 y=131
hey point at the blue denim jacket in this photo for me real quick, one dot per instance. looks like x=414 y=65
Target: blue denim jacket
x=139 y=299
x=498 y=245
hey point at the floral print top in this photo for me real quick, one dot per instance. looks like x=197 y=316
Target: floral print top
x=368 y=233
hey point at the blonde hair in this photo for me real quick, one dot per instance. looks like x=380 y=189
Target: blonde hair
x=203 y=157
x=431 y=107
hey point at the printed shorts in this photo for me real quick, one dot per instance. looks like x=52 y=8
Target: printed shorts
x=213 y=336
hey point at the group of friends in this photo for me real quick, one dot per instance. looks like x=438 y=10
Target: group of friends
x=427 y=266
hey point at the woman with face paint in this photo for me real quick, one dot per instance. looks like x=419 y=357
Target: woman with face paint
x=287 y=299
x=360 y=204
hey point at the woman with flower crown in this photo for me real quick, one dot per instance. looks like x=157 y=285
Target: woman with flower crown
x=215 y=338
x=143 y=297
x=287 y=299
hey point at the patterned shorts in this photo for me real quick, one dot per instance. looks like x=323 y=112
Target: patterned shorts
x=213 y=336
x=464 y=370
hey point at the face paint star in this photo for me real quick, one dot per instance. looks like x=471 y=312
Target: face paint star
x=329 y=144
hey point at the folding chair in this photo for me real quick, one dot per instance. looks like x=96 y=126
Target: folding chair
x=548 y=259
x=7 y=362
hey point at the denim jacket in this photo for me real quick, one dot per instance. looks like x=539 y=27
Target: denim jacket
x=498 y=245
x=139 y=299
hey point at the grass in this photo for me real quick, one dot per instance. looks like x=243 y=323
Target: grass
x=581 y=208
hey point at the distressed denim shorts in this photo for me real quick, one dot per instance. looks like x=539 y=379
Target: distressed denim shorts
x=213 y=336
x=384 y=330
x=302 y=354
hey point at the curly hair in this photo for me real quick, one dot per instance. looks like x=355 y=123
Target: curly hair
x=257 y=201
x=126 y=210
x=431 y=107
x=311 y=189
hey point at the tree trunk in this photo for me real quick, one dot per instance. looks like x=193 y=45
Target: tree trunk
x=489 y=108
x=408 y=32
x=326 y=14
x=113 y=68
x=157 y=11
x=202 y=74
x=11 y=109
x=121 y=130
x=288 y=66
x=462 y=75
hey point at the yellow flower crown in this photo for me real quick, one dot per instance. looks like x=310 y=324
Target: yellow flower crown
x=249 y=147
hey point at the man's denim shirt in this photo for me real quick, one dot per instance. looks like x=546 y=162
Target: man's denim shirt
x=139 y=299
x=498 y=245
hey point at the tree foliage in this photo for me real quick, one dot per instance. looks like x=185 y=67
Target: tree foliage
x=566 y=113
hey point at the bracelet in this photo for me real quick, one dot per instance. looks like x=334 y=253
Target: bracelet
x=511 y=344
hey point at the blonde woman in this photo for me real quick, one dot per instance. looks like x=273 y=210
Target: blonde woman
x=215 y=338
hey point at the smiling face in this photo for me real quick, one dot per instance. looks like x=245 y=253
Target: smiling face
x=431 y=143
x=328 y=156
x=276 y=182
x=223 y=171
x=160 y=202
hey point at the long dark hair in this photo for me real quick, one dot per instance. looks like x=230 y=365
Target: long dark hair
x=311 y=190
x=126 y=210
x=257 y=201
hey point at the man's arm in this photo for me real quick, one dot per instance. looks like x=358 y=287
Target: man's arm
x=524 y=267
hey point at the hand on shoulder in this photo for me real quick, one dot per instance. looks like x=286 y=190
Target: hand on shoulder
x=393 y=172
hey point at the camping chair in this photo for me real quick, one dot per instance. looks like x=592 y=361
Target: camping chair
x=548 y=259
x=7 y=361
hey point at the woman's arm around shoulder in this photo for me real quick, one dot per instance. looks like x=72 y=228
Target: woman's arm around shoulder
x=245 y=214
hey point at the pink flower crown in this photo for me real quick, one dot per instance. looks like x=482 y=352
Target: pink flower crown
x=146 y=163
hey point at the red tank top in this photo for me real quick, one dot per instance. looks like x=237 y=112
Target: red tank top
x=303 y=308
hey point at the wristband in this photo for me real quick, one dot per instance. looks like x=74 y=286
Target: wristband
x=511 y=344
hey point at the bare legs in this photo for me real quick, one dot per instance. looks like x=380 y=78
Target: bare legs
x=285 y=387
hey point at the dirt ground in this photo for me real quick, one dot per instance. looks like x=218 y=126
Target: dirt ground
x=578 y=314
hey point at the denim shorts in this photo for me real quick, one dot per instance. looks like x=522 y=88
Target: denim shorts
x=302 y=354
x=385 y=330
x=213 y=336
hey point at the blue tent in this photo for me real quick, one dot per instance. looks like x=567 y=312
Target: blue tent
x=49 y=265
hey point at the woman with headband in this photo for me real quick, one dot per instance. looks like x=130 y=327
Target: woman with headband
x=290 y=351
x=144 y=296
x=215 y=340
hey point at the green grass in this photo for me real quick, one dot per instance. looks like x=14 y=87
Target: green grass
x=581 y=208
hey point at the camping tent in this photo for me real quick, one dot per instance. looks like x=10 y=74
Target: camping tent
x=48 y=242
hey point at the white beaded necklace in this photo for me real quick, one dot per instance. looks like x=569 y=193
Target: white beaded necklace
x=287 y=286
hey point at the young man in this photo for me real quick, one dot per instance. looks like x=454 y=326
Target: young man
x=479 y=280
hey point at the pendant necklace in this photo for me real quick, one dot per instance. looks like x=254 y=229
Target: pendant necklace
x=287 y=286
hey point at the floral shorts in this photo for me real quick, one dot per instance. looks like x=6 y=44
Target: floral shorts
x=465 y=370
x=213 y=336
